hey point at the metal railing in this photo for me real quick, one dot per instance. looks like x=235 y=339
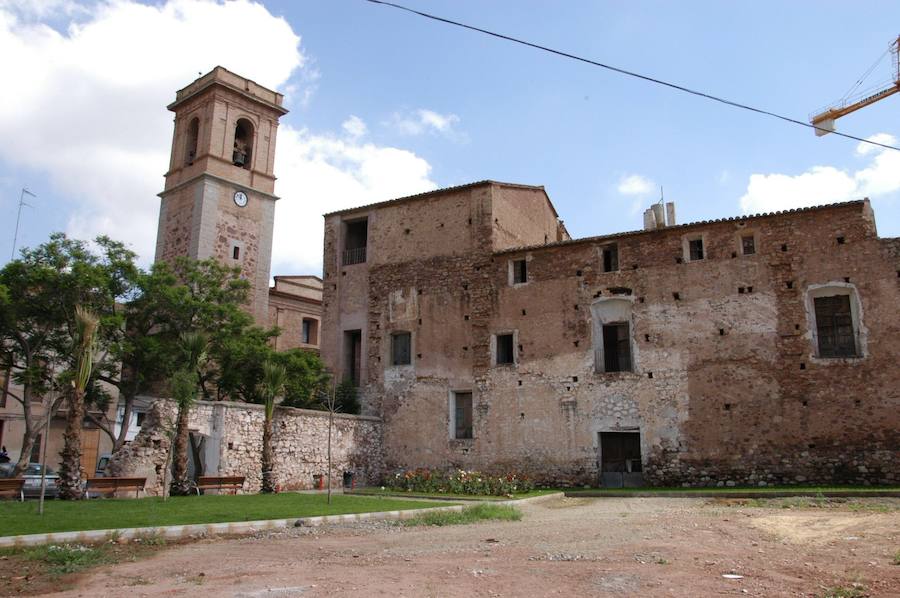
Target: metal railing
x=357 y=255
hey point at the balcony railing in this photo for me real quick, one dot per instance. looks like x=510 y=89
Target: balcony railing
x=357 y=255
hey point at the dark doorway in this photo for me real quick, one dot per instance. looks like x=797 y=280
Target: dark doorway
x=620 y=460
x=352 y=355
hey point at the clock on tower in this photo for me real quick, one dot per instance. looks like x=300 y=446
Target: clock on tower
x=219 y=197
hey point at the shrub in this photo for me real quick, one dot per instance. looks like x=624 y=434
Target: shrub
x=461 y=482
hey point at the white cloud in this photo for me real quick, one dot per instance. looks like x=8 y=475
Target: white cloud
x=354 y=126
x=323 y=173
x=863 y=149
x=635 y=184
x=88 y=110
x=826 y=184
x=424 y=121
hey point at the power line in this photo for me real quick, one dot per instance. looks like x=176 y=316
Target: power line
x=632 y=74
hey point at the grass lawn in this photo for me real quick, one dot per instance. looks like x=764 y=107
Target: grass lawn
x=761 y=490
x=381 y=491
x=60 y=516
x=473 y=514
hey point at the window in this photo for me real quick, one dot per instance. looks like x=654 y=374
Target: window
x=235 y=253
x=4 y=383
x=400 y=348
x=611 y=258
x=352 y=355
x=462 y=415
x=356 y=237
x=309 y=331
x=243 y=143
x=748 y=245
x=505 y=349
x=193 y=134
x=616 y=348
x=834 y=326
x=35 y=456
x=139 y=418
x=695 y=249
x=519 y=271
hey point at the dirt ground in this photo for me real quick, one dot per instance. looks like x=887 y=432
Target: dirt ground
x=565 y=547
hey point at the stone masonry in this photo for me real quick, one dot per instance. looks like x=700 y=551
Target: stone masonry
x=726 y=385
x=232 y=434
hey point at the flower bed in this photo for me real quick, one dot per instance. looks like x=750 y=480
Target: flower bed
x=461 y=482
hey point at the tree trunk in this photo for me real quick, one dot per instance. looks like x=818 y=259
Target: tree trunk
x=268 y=458
x=71 y=475
x=28 y=439
x=181 y=482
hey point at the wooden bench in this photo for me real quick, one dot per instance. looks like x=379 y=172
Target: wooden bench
x=225 y=482
x=13 y=487
x=113 y=485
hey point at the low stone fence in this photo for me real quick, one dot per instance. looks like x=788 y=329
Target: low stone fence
x=227 y=437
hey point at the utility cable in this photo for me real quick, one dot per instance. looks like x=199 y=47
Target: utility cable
x=633 y=74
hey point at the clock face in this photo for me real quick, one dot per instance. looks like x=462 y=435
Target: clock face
x=240 y=199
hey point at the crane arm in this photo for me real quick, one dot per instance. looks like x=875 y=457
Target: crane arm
x=824 y=120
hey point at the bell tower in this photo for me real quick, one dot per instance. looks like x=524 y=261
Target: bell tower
x=219 y=200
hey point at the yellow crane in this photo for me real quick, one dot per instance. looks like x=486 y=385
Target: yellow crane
x=824 y=119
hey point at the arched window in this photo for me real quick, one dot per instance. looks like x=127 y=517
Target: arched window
x=190 y=149
x=243 y=143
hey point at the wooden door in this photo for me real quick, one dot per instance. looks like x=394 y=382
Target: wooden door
x=90 y=446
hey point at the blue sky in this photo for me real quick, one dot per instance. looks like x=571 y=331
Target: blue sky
x=384 y=103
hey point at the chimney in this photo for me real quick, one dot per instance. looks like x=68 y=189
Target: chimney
x=670 y=213
x=649 y=219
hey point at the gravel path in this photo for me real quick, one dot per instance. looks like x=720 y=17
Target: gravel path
x=565 y=547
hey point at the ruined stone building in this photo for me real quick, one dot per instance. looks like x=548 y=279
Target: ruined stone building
x=751 y=350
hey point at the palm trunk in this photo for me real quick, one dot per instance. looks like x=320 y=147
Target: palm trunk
x=71 y=475
x=268 y=456
x=181 y=482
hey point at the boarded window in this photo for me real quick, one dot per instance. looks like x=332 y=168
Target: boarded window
x=520 y=271
x=400 y=348
x=505 y=353
x=309 y=331
x=834 y=325
x=462 y=415
x=695 y=249
x=611 y=258
x=616 y=348
x=748 y=245
x=352 y=356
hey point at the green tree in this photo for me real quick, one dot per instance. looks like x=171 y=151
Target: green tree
x=71 y=473
x=307 y=379
x=37 y=319
x=185 y=381
x=273 y=382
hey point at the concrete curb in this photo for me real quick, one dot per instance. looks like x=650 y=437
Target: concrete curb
x=736 y=494
x=465 y=499
x=233 y=528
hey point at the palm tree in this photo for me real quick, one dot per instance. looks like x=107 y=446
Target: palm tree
x=185 y=382
x=273 y=381
x=71 y=473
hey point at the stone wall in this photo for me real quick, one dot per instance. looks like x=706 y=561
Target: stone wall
x=726 y=388
x=232 y=437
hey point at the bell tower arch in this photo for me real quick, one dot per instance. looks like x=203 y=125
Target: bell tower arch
x=219 y=201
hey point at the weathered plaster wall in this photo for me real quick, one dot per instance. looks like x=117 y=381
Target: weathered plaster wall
x=726 y=387
x=233 y=445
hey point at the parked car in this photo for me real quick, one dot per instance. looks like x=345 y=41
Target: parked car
x=102 y=462
x=32 y=475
